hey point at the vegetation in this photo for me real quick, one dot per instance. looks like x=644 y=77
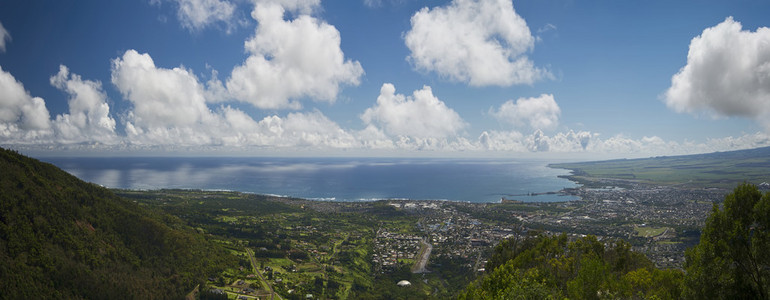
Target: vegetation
x=720 y=169
x=732 y=260
x=61 y=237
x=64 y=238
x=543 y=267
x=328 y=255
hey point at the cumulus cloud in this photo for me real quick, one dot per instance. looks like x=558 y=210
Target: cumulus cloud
x=169 y=105
x=197 y=14
x=295 y=130
x=296 y=6
x=311 y=129
x=291 y=59
x=481 y=42
x=23 y=118
x=727 y=74
x=421 y=115
x=170 y=109
x=161 y=97
x=540 y=112
x=592 y=143
x=4 y=36
x=537 y=141
x=509 y=141
x=89 y=117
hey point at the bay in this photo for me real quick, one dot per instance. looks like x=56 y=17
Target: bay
x=332 y=179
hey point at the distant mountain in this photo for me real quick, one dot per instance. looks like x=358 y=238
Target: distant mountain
x=718 y=169
x=64 y=238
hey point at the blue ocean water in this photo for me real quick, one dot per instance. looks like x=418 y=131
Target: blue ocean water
x=340 y=179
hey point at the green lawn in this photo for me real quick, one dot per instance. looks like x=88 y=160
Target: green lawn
x=649 y=231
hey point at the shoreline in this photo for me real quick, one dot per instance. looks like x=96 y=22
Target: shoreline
x=565 y=192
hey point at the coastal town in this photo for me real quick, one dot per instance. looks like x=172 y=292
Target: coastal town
x=659 y=221
x=296 y=249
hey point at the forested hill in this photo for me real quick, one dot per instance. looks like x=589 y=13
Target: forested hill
x=64 y=238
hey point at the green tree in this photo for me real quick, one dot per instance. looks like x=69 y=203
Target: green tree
x=591 y=280
x=542 y=267
x=732 y=259
x=508 y=282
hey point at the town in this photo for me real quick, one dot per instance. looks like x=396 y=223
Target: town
x=345 y=249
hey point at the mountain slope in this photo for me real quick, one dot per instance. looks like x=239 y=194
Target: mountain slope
x=61 y=237
x=719 y=169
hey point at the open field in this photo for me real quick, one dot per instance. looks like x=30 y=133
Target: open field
x=650 y=231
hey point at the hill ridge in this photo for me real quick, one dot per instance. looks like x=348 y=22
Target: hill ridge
x=61 y=237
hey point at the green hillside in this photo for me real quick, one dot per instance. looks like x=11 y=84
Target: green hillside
x=719 y=169
x=61 y=237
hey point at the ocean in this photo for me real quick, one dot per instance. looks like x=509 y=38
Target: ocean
x=330 y=179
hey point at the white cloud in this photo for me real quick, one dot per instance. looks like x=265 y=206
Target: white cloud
x=170 y=109
x=89 y=114
x=290 y=60
x=509 y=141
x=515 y=141
x=421 y=115
x=23 y=118
x=197 y=14
x=161 y=97
x=548 y=27
x=296 y=6
x=727 y=74
x=380 y=3
x=374 y=138
x=305 y=130
x=4 y=35
x=481 y=42
x=592 y=144
x=296 y=130
x=373 y=3
x=537 y=112
x=169 y=106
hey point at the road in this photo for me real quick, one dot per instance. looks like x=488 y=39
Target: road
x=259 y=273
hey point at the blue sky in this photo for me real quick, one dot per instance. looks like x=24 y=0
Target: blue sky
x=387 y=77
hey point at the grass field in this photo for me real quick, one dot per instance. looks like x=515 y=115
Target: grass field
x=649 y=231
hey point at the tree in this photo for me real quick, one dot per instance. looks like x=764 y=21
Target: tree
x=507 y=282
x=732 y=258
x=542 y=267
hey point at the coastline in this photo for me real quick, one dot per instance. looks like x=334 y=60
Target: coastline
x=351 y=180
